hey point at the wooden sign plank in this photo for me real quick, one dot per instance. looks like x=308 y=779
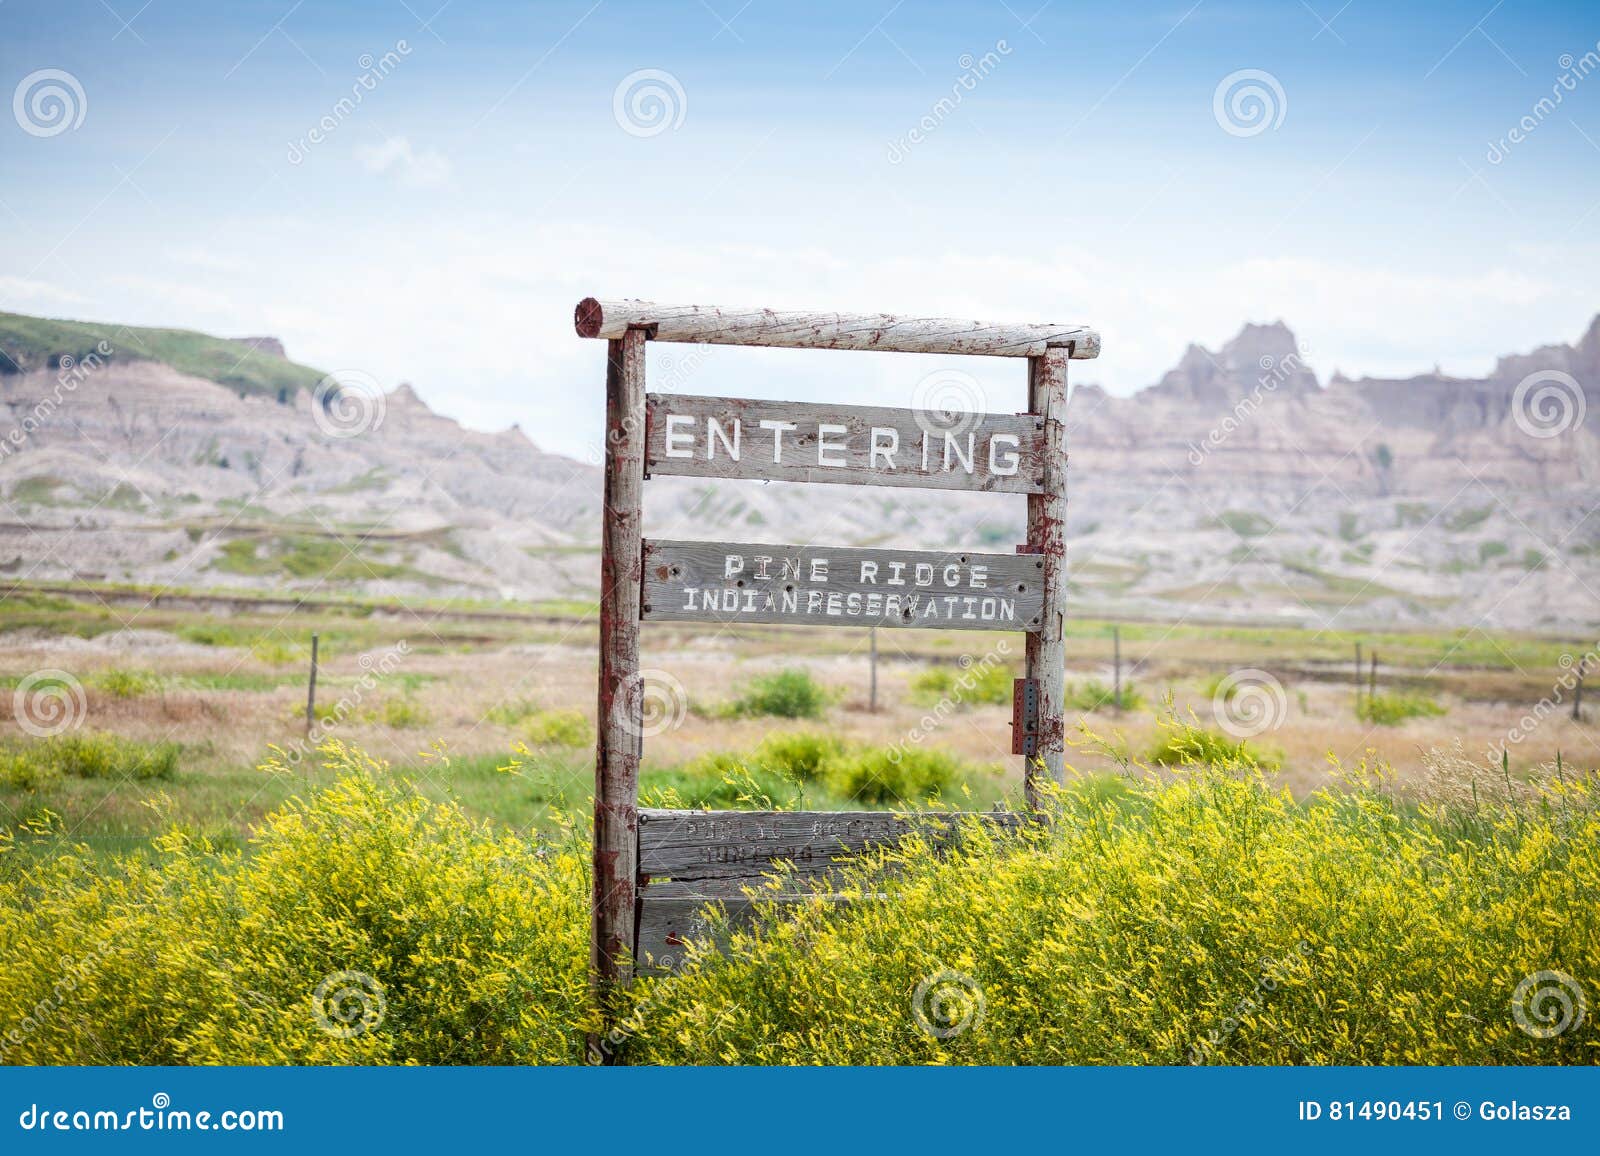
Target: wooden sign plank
x=699 y=846
x=690 y=858
x=666 y=925
x=734 y=582
x=725 y=437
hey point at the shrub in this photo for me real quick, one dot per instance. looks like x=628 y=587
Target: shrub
x=1209 y=918
x=209 y=634
x=1389 y=710
x=1183 y=746
x=720 y=782
x=1212 y=919
x=275 y=652
x=790 y=693
x=1091 y=694
x=86 y=755
x=404 y=714
x=798 y=755
x=511 y=712
x=128 y=683
x=982 y=683
x=882 y=775
x=450 y=942
x=560 y=728
x=20 y=772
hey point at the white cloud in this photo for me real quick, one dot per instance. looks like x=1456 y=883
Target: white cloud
x=425 y=169
x=21 y=295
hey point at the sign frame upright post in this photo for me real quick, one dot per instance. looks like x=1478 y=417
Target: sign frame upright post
x=1046 y=648
x=619 y=729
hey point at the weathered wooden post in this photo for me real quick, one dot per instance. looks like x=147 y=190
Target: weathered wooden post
x=1577 y=697
x=311 y=689
x=1116 y=666
x=619 y=722
x=1372 y=679
x=1046 y=649
x=872 y=690
x=1358 y=680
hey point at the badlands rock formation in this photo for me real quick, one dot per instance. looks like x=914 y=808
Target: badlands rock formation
x=1237 y=486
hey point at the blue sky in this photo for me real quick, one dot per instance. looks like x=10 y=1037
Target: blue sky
x=441 y=231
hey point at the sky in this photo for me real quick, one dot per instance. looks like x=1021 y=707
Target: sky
x=420 y=190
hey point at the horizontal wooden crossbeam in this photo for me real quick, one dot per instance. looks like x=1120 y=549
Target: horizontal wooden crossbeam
x=884 y=332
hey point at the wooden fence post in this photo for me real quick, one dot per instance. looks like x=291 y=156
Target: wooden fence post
x=1358 y=680
x=872 y=692
x=1372 y=679
x=311 y=689
x=1046 y=649
x=619 y=723
x=1116 y=666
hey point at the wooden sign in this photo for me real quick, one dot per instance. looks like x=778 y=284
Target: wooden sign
x=725 y=437
x=652 y=872
x=734 y=582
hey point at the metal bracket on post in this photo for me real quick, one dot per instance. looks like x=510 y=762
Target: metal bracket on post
x=1025 y=717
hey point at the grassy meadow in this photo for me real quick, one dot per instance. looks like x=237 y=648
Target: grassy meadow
x=1251 y=862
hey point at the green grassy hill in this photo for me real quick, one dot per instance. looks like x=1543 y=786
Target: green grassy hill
x=28 y=343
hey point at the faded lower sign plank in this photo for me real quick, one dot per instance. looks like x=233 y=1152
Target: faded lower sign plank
x=667 y=925
x=935 y=448
x=689 y=859
x=733 y=582
x=704 y=847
